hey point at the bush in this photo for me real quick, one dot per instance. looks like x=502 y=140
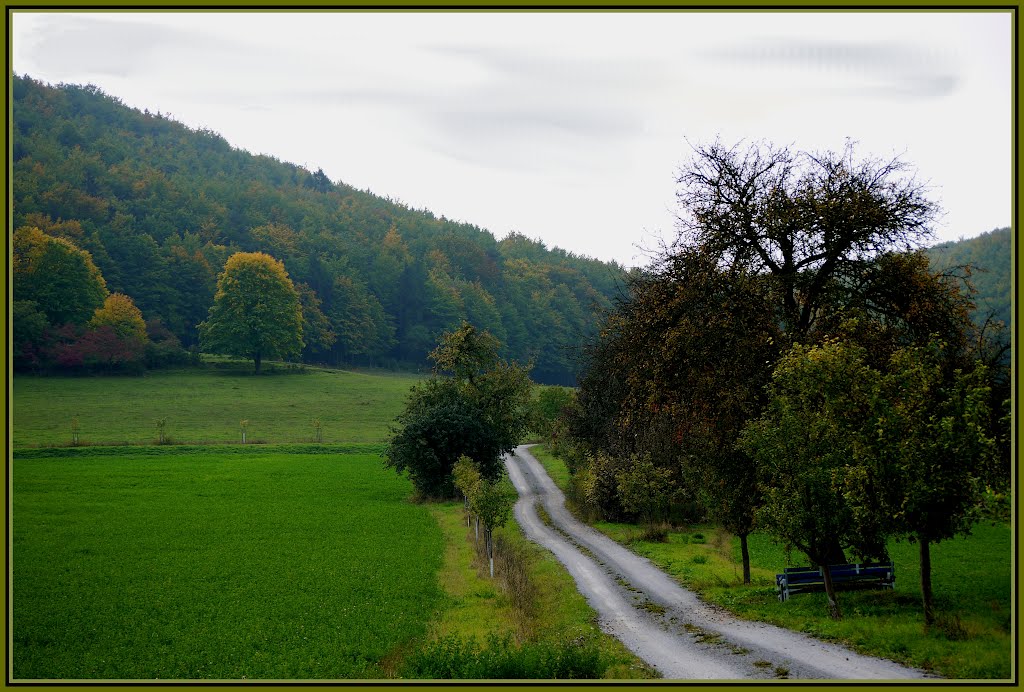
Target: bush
x=96 y=350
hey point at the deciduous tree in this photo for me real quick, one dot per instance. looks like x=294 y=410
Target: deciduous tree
x=819 y=401
x=923 y=453
x=256 y=311
x=481 y=410
x=119 y=313
x=59 y=277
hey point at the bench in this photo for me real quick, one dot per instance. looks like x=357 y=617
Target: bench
x=856 y=576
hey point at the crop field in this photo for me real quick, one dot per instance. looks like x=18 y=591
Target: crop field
x=220 y=563
x=971 y=578
x=207 y=404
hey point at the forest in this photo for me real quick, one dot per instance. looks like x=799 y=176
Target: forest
x=160 y=207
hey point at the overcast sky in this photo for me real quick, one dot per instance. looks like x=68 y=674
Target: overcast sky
x=565 y=127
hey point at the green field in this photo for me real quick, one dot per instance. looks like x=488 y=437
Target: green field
x=206 y=404
x=971 y=578
x=225 y=563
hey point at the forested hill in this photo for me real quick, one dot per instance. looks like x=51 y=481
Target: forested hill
x=161 y=206
x=991 y=259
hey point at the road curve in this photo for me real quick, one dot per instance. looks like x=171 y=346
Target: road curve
x=690 y=640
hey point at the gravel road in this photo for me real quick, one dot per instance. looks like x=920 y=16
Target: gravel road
x=689 y=640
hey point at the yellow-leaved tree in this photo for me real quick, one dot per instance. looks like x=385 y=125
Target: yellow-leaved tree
x=256 y=311
x=119 y=312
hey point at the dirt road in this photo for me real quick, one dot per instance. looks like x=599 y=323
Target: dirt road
x=689 y=639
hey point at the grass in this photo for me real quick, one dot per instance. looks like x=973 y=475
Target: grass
x=971 y=578
x=518 y=629
x=225 y=563
x=205 y=405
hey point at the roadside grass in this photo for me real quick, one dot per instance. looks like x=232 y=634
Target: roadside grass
x=503 y=627
x=971 y=578
x=223 y=563
x=205 y=405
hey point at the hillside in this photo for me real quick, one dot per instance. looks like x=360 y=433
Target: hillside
x=161 y=206
x=991 y=261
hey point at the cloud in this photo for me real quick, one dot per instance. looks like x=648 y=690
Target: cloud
x=883 y=68
x=64 y=43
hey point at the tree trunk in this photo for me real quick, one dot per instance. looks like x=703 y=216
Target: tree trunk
x=745 y=553
x=926 y=582
x=834 y=554
x=257 y=358
x=830 y=592
x=478 y=530
x=490 y=550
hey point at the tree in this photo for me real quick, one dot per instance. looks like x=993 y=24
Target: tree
x=316 y=328
x=256 y=310
x=923 y=452
x=59 y=277
x=28 y=339
x=808 y=219
x=802 y=445
x=481 y=411
x=119 y=313
x=678 y=370
x=489 y=500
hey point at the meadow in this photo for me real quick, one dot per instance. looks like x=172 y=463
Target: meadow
x=206 y=405
x=285 y=561
x=971 y=577
x=225 y=563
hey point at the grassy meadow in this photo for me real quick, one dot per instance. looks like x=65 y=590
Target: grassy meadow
x=205 y=405
x=225 y=563
x=286 y=560
x=971 y=579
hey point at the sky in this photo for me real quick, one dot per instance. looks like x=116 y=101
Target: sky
x=567 y=127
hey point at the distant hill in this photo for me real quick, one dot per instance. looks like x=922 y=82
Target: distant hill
x=991 y=260
x=161 y=206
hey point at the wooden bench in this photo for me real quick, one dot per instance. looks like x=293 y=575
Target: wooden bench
x=856 y=576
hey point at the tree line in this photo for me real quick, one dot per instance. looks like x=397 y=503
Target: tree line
x=792 y=363
x=161 y=207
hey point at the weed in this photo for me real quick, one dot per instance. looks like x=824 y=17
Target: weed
x=951 y=627
x=655 y=533
x=76 y=428
x=699 y=559
x=761 y=663
x=652 y=607
x=781 y=672
x=702 y=635
x=318 y=431
x=454 y=658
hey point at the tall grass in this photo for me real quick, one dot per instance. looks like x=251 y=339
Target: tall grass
x=250 y=564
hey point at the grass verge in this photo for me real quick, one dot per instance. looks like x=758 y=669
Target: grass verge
x=533 y=625
x=971 y=578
